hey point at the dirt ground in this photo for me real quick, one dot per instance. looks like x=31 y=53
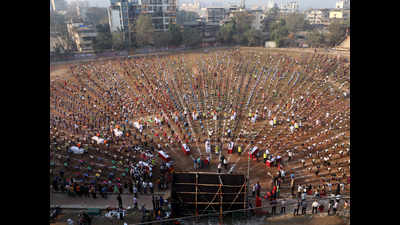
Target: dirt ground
x=307 y=220
x=62 y=71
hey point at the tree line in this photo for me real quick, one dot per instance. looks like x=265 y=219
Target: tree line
x=238 y=31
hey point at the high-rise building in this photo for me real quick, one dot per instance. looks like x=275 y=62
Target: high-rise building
x=82 y=34
x=289 y=6
x=122 y=14
x=58 y=5
x=318 y=16
x=343 y=4
x=215 y=15
x=162 y=12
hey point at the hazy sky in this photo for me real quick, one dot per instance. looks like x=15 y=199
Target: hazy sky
x=304 y=4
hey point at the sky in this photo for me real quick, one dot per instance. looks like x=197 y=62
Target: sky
x=304 y=4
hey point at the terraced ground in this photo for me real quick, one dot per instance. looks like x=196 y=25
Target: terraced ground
x=305 y=89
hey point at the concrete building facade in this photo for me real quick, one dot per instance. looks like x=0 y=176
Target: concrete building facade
x=343 y=4
x=162 y=12
x=122 y=14
x=258 y=18
x=339 y=14
x=82 y=35
x=318 y=16
x=215 y=15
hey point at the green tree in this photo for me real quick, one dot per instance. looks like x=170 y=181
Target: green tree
x=191 y=37
x=102 y=42
x=162 y=39
x=225 y=33
x=272 y=16
x=144 y=30
x=279 y=32
x=176 y=34
x=118 y=41
x=185 y=16
x=337 y=32
x=254 y=37
x=242 y=23
x=315 y=38
x=103 y=39
x=296 y=22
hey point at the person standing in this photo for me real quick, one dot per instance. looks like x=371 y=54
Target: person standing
x=258 y=188
x=119 y=201
x=330 y=206
x=292 y=186
x=273 y=203
x=194 y=164
x=315 y=205
x=283 y=206
x=299 y=191
x=296 y=210
x=226 y=164
x=304 y=207
x=135 y=190
x=151 y=187
x=335 y=207
x=93 y=191
x=135 y=203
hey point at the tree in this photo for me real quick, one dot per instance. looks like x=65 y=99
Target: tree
x=118 y=40
x=242 y=23
x=254 y=37
x=272 y=15
x=176 y=34
x=144 y=30
x=191 y=37
x=162 y=39
x=185 y=16
x=296 y=22
x=315 y=38
x=96 y=15
x=337 y=32
x=279 y=32
x=102 y=42
x=225 y=33
x=104 y=39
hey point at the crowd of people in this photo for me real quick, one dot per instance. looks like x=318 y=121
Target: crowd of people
x=110 y=120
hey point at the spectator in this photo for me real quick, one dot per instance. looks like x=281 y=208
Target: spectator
x=304 y=207
x=315 y=206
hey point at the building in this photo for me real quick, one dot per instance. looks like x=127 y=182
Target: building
x=289 y=6
x=58 y=5
x=343 y=4
x=258 y=18
x=122 y=14
x=215 y=15
x=195 y=7
x=82 y=35
x=341 y=14
x=318 y=16
x=208 y=31
x=81 y=8
x=118 y=16
x=162 y=12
